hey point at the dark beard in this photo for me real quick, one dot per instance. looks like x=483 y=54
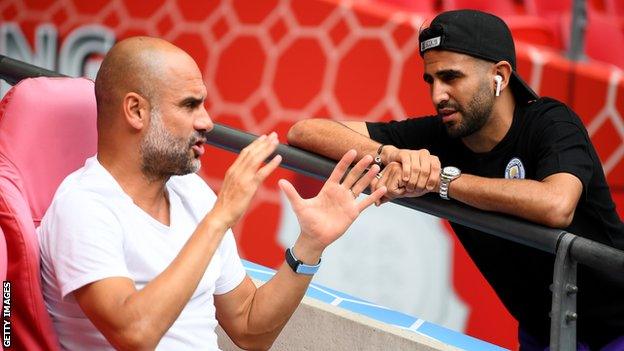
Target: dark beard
x=474 y=117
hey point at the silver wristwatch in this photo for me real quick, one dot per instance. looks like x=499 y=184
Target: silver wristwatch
x=447 y=175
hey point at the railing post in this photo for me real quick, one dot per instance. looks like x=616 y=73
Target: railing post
x=564 y=290
x=576 y=46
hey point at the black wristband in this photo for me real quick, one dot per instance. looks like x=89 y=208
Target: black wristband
x=298 y=266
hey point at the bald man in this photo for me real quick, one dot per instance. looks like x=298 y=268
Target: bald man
x=137 y=251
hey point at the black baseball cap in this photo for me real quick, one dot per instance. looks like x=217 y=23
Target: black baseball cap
x=477 y=34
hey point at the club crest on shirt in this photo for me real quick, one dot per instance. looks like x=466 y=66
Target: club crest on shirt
x=514 y=169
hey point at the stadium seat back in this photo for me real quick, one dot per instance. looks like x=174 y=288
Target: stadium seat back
x=47 y=130
x=604 y=39
x=499 y=7
x=614 y=8
x=424 y=7
x=548 y=8
x=3 y=262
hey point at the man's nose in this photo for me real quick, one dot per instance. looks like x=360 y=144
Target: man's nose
x=204 y=122
x=439 y=93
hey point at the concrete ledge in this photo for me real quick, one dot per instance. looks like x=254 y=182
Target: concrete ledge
x=320 y=326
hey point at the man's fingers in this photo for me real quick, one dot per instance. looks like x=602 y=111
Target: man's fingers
x=290 y=191
x=434 y=177
x=425 y=171
x=268 y=168
x=248 y=153
x=342 y=166
x=245 y=151
x=365 y=180
x=257 y=153
x=373 y=183
x=415 y=173
x=381 y=183
x=372 y=198
x=406 y=164
x=357 y=170
x=383 y=180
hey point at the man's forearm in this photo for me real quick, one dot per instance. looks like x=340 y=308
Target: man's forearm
x=330 y=138
x=275 y=301
x=536 y=201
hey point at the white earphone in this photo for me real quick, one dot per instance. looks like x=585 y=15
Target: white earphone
x=498 y=80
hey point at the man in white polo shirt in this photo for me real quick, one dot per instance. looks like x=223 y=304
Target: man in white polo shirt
x=137 y=251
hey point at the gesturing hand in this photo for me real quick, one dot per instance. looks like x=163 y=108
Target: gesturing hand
x=243 y=178
x=325 y=217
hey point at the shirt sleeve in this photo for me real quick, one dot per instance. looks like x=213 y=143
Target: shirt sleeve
x=412 y=133
x=85 y=242
x=232 y=270
x=564 y=148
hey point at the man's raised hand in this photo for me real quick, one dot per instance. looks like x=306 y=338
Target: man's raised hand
x=325 y=217
x=244 y=177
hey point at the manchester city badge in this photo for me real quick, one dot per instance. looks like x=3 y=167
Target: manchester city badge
x=514 y=169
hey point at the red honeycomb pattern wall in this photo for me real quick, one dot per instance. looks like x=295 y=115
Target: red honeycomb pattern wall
x=269 y=63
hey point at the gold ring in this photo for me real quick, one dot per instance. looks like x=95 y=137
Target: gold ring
x=352 y=193
x=379 y=175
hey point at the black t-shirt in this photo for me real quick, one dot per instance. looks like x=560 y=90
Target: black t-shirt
x=545 y=138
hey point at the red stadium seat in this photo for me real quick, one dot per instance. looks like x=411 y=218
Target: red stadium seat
x=499 y=7
x=410 y=5
x=3 y=257
x=3 y=262
x=47 y=130
x=548 y=8
x=534 y=30
x=555 y=8
x=614 y=7
x=604 y=40
x=530 y=29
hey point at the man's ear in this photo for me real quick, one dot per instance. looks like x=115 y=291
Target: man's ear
x=136 y=110
x=503 y=69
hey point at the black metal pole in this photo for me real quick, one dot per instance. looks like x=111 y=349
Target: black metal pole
x=588 y=252
x=12 y=70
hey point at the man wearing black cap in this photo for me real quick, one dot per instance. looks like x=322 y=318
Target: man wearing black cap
x=503 y=149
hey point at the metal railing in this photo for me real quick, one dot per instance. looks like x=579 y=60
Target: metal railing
x=568 y=248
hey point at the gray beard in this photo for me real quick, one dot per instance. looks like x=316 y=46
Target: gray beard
x=164 y=155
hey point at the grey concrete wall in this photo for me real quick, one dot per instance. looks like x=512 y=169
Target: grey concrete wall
x=319 y=326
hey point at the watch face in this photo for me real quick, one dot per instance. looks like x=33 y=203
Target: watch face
x=451 y=171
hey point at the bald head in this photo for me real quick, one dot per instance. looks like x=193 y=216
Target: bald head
x=138 y=65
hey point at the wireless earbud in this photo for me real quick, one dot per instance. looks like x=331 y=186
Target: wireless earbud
x=498 y=80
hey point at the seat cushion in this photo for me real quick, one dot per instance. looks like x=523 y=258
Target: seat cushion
x=47 y=130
